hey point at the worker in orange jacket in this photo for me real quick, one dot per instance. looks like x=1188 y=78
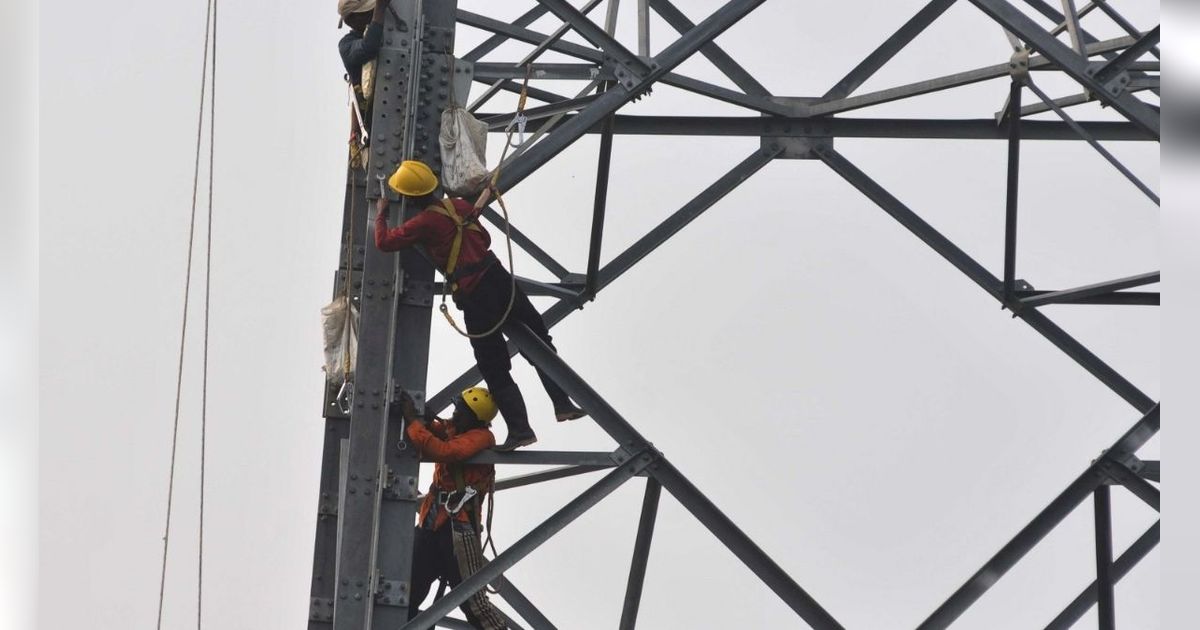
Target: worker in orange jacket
x=446 y=543
x=483 y=290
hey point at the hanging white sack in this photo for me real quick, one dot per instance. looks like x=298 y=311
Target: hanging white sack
x=464 y=143
x=341 y=340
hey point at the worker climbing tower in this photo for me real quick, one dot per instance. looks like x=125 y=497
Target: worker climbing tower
x=369 y=483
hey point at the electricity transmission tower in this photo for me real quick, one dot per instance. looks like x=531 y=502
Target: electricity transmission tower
x=369 y=482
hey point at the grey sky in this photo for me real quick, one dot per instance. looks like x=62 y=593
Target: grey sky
x=861 y=409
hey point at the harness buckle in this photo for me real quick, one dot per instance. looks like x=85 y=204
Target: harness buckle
x=468 y=493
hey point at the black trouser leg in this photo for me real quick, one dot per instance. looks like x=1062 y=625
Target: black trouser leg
x=426 y=567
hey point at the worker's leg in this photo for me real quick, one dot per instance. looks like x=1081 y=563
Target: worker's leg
x=469 y=554
x=426 y=567
x=482 y=308
x=524 y=312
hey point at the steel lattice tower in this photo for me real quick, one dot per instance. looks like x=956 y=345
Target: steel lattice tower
x=369 y=480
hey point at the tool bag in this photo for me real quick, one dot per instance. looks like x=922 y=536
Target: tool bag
x=339 y=320
x=464 y=145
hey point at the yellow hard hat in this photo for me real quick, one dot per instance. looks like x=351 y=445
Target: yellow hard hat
x=479 y=401
x=413 y=178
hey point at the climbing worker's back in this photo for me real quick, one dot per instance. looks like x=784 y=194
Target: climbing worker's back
x=434 y=230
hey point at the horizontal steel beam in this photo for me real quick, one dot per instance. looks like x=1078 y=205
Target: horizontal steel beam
x=1120 y=298
x=546 y=458
x=898 y=128
x=542 y=72
x=1091 y=290
x=552 y=474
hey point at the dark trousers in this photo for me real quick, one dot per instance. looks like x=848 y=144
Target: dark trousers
x=433 y=559
x=482 y=309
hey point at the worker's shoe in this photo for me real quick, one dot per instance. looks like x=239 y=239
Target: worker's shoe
x=512 y=408
x=514 y=442
x=568 y=412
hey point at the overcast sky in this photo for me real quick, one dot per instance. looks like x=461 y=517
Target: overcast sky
x=860 y=408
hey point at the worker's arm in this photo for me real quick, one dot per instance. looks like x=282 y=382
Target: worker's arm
x=458 y=448
x=357 y=51
x=397 y=238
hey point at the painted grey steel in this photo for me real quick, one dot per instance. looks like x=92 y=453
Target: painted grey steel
x=1104 y=6
x=522 y=605
x=641 y=555
x=529 y=542
x=1070 y=62
x=711 y=51
x=395 y=292
x=949 y=81
x=560 y=472
x=878 y=128
x=1099 y=288
x=888 y=49
x=1046 y=520
x=1092 y=141
x=1013 y=121
x=1104 y=580
x=624 y=261
x=1085 y=600
x=672 y=480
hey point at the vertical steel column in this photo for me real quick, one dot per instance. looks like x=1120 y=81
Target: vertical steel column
x=379 y=502
x=641 y=554
x=1104 y=578
x=1014 y=176
x=598 y=210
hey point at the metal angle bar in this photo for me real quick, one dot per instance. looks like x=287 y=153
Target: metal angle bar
x=1099 y=288
x=512 y=86
x=882 y=128
x=525 y=608
x=498 y=122
x=1041 y=6
x=1071 y=19
x=670 y=57
x=733 y=97
x=546 y=42
x=1120 y=298
x=546 y=458
x=643 y=28
x=1084 y=601
x=1069 y=61
x=1046 y=520
x=453 y=623
x=495 y=41
x=744 y=548
x=1104 y=579
x=552 y=474
x=1123 y=23
x=595 y=34
x=641 y=555
x=1150 y=470
x=1013 y=120
x=983 y=278
x=512 y=31
x=599 y=206
x=1062 y=25
x=532 y=288
x=624 y=261
x=1112 y=159
x=527 y=244
x=700 y=506
x=529 y=542
x=888 y=49
x=949 y=81
x=1133 y=482
x=541 y=71
x=1121 y=62
x=1073 y=100
x=711 y=51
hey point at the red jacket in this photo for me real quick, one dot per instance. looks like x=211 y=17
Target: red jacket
x=441 y=444
x=436 y=232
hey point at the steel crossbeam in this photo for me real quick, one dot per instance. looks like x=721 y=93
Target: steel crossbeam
x=363 y=543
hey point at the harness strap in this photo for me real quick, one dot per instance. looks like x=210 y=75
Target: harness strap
x=447 y=209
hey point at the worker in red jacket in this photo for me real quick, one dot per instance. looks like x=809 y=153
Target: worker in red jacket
x=483 y=290
x=446 y=543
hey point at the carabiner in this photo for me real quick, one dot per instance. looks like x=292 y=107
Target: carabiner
x=344 y=396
